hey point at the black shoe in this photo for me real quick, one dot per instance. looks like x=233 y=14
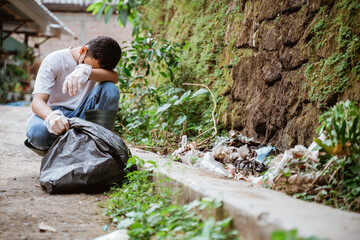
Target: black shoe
x=35 y=150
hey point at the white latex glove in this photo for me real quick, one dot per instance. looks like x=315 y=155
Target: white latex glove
x=56 y=122
x=74 y=81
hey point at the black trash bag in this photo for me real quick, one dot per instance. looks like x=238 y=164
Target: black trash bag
x=87 y=158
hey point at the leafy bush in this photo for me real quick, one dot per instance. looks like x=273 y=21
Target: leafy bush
x=147 y=57
x=342 y=129
x=154 y=107
x=143 y=61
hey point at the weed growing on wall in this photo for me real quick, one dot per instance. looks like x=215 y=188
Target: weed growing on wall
x=330 y=76
x=200 y=27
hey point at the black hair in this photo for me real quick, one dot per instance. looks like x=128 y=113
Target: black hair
x=106 y=50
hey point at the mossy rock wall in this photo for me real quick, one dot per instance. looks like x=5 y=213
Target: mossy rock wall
x=274 y=66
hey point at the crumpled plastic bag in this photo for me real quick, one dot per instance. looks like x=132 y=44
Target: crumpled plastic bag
x=225 y=154
x=87 y=158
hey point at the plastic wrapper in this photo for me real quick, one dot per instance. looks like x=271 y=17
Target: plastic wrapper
x=263 y=152
x=192 y=157
x=87 y=158
x=244 y=151
x=231 y=169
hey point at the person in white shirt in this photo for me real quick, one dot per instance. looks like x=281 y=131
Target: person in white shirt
x=65 y=87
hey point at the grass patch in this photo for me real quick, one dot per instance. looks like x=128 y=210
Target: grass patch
x=150 y=214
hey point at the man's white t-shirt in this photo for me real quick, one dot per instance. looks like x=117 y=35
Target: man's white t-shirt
x=51 y=76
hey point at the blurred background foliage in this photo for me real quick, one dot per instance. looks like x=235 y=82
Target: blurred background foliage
x=15 y=74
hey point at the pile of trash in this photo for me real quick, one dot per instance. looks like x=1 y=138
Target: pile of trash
x=236 y=156
x=243 y=158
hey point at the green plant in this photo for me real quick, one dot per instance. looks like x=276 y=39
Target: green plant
x=289 y=235
x=150 y=214
x=145 y=64
x=341 y=126
x=329 y=75
x=12 y=75
x=5 y=84
x=180 y=109
x=154 y=108
x=163 y=124
x=319 y=27
x=342 y=147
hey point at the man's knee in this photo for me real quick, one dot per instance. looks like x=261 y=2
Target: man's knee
x=39 y=136
x=109 y=95
x=110 y=90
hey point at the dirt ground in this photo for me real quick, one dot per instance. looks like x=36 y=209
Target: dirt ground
x=24 y=205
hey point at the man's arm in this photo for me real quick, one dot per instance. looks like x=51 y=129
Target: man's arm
x=54 y=122
x=39 y=105
x=102 y=75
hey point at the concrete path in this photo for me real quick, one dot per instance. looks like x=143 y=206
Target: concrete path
x=24 y=205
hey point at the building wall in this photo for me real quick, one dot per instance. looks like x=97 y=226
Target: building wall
x=86 y=27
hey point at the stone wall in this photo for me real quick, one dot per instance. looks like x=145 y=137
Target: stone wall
x=278 y=64
x=273 y=95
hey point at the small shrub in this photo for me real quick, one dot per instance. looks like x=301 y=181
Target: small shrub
x=342 y=153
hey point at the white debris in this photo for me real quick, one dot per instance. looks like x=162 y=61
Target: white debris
x=177 y=152
x=115 y=235
x=43 y=227
x=313 y=145
x=209 y=163
x=293 y=155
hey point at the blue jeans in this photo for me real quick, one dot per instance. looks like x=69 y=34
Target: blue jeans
x=104 y=96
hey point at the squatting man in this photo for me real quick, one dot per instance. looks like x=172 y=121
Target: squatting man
x=66 y=86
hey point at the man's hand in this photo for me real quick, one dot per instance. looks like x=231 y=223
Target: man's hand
x=74 y=81
x=56 y=122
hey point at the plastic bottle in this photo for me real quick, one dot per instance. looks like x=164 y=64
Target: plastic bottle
x=209 y=163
